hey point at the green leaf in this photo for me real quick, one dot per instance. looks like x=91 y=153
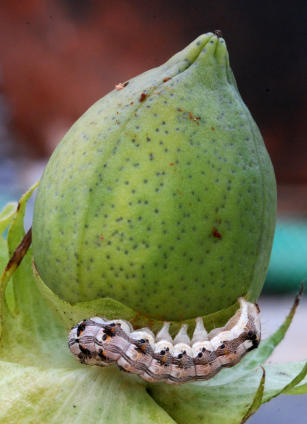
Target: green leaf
x=210 y=404
x=6 y=216
x=257 y=399
x=285 y=378
x=299 y=389
x=92 y=396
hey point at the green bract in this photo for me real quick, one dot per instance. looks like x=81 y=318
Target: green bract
x=162 y=195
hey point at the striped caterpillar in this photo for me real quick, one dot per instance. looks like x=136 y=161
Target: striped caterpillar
x=97 y=341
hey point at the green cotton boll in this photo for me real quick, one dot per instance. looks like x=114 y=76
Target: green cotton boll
x=162 y=195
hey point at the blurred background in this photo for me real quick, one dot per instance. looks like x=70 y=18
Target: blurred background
x=57 y=57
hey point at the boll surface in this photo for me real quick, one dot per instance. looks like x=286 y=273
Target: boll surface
x=162 y=195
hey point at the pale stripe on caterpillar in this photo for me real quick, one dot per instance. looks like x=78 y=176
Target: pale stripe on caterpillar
x=98 y=341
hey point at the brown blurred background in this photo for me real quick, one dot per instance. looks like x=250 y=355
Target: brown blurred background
x=59 y=56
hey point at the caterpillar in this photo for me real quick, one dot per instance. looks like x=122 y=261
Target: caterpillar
x=98 y=341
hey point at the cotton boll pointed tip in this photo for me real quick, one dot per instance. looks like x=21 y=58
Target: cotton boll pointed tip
x=208 y=60
x=192 y=51
x=207 y=50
